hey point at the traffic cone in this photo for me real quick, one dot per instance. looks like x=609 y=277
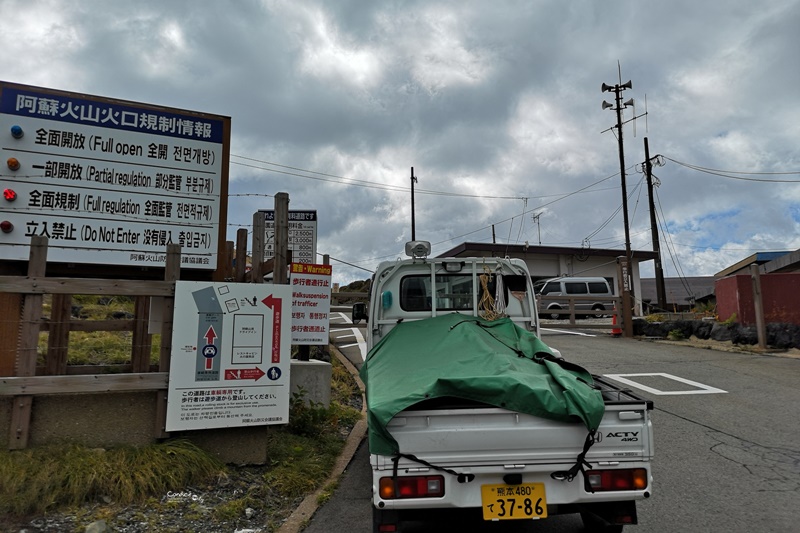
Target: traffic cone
x=615 y=331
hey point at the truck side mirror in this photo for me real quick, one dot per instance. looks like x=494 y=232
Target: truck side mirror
x=359 y=312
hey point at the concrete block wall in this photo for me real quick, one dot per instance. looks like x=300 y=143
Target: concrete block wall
x=113 y=419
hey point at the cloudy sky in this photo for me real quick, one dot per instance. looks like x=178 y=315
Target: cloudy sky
x=496 y=106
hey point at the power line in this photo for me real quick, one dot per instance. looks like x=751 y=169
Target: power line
x=346 y=263
x=387 y=187
x=321 y=176
x=673 y=254
x=561 y=197
x=729 y=173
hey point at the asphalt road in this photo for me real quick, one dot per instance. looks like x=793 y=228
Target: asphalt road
x=726 y=440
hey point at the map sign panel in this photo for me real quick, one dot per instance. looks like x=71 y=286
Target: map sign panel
x=108 y=181
x=231 y=349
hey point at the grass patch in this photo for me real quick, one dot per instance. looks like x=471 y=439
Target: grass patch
x=327 y=493
x=676 y=335
x=43 y=479
x=301 y=456
x=303 y=453
x=98 y=347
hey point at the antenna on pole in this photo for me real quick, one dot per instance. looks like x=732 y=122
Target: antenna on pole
x=628 y=297
x=535 y=218
x=413 y=223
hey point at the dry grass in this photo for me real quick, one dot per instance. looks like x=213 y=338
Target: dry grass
x=63 y=478
x=41 y=479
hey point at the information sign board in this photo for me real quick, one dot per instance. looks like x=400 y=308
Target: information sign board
x=311 y=303
x=302 y=235
x=111 y=182
x=231 y=349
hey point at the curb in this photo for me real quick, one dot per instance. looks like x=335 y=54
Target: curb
x=298 y=520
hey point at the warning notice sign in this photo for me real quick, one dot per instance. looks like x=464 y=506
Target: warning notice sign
x=311 y=303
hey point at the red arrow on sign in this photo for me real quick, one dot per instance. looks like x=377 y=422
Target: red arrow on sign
x=276 y=305
x=244 y=373
x=210 y=335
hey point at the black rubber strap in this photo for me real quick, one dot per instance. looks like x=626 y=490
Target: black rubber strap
x=580 y=465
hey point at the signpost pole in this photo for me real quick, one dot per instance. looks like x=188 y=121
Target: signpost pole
x=241 y=254
x=171 y=273
x=259 y=233
x=29 y=337
x=280 y=273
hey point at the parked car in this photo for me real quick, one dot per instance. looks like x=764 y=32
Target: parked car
x=575 y=286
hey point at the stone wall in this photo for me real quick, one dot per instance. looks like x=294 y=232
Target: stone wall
x=780 y=336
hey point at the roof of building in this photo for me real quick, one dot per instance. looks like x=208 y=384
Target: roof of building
x=679 y=291
x=520 y=250
x=786 y=263
x=758 y=258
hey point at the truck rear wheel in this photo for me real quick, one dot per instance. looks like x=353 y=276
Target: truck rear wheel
x=383 y=518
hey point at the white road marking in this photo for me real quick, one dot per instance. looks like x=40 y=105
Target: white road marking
x=701 y=389
x=569 y=332
x=356 y=333
x=342 y=316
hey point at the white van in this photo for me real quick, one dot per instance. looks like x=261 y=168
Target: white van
x=569 y=286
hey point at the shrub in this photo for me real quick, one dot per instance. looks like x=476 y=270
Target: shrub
x=676 y=335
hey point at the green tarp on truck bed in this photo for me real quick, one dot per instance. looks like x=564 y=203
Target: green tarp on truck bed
x=461 y=356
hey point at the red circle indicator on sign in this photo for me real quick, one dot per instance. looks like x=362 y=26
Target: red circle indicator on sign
x=9 y=194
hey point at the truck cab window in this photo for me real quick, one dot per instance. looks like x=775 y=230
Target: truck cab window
x=453 y=292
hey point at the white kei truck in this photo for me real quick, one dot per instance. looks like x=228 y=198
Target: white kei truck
x=470 y=412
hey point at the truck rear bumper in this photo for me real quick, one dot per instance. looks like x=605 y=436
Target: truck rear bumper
x=464 y=493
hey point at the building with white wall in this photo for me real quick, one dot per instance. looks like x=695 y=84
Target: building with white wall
x=553 y=261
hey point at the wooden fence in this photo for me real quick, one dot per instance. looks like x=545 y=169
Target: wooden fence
x=570 y=312
x=53 y=377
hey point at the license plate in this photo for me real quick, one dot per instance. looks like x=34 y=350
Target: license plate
x=511 y=502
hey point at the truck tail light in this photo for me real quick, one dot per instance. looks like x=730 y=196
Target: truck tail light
x=624 y=479
x=412 y=487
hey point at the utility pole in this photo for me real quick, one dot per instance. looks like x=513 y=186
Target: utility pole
x=538 y=227
x=413 y=224
x=618 y=106
x=661 y=295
